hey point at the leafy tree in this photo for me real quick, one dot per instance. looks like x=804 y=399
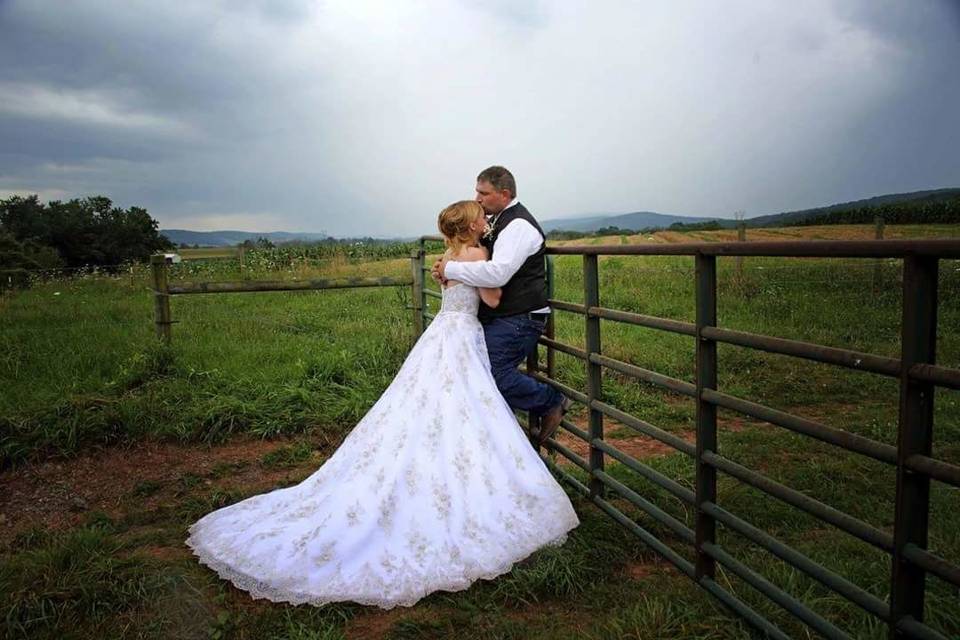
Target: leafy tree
x=17 y=259
x=86 y=231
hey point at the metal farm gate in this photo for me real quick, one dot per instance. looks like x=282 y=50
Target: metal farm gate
x=916 y=371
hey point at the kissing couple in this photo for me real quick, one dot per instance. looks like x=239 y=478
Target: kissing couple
x=437 y=486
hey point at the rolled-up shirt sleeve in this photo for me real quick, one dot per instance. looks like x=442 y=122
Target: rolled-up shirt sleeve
x=518 y=241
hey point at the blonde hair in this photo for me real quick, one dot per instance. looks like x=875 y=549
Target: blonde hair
x=454 y=223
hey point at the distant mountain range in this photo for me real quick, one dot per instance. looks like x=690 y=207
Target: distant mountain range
x=231 y=238
x=649 y=219
x=636 y=221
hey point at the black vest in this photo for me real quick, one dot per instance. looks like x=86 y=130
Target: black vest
x=527 y=289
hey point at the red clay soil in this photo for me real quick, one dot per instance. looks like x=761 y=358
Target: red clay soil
x=57 y=494
x=373 y=624
x=634 y=445
x=639 y=446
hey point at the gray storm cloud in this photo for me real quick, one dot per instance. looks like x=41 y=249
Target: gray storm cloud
x=367 y=117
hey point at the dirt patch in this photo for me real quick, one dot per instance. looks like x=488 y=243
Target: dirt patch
x=373 y=625
x=738 y=423
x=643 y=569
x=639 y=446
x=165 y=554
x=58 y=494
x=635 y=445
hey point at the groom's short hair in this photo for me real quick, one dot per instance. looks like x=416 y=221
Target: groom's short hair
x=500 y=178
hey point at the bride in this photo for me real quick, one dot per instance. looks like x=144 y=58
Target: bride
x=436 y=487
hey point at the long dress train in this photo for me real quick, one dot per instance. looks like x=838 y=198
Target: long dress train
x=435 y=488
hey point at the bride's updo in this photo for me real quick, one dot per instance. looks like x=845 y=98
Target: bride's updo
x=454 y=223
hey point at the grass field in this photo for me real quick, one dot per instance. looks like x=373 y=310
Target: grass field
x=113 y=445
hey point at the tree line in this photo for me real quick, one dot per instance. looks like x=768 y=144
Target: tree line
x=78 y=233
x=945 y=211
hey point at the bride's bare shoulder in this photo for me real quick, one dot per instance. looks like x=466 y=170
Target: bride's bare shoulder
x=472 y=254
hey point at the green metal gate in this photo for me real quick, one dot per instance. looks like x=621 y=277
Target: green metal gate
x=918 y=376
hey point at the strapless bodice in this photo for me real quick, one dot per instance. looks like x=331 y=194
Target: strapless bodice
x=460 y=298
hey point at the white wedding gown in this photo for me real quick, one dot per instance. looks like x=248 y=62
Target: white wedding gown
x=436 y=487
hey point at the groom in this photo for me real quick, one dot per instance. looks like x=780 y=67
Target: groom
x=517 y=245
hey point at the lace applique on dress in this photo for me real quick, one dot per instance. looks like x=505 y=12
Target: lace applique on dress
x=435 y=488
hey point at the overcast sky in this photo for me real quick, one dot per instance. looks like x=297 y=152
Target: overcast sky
x=366 y=118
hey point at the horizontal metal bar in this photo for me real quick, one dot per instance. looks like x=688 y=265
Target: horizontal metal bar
x=686 y=533
x=687 y=568
x=568 y=454
x=252 y=286
x=948 y=248
x=433 y=294
x=775 y=593
x=675 y=558
x=662 y=481
x=672 y=384
x=581 y=488
x=653 y=322
x=645 y=428
x=428 y=315
x=563 y=305
x=563 y=348
x=821 y=574
x=830 y=355
x=738 y=607
x=918 y=629
x=844 y=522
x=575 y=430
x=932 y=563
x=942 y=376
x=570 y=392
x=936 y=469
x=843 y=439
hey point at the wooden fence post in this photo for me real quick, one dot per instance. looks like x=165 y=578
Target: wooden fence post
x=161 y=296
x=416 y=295
x=878 y=264
x=741 y=237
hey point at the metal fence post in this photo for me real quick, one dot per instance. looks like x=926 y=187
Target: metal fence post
x=706 y=475
x=914 y=436
x=591 y=298
x=551 y=327
x=161 y=296
x=416 y=295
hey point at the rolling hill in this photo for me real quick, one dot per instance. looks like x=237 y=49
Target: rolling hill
x=915 y=201
x=231 y=238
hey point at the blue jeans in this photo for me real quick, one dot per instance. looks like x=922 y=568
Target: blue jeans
x=510 y=340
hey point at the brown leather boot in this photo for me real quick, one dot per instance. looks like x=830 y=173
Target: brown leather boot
x=550 y=421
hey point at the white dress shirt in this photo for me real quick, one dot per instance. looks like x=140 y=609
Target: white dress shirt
x=517 y=241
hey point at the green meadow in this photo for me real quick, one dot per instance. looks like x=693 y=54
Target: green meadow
x=257 y=389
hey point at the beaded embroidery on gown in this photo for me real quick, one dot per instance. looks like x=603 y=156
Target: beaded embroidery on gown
x=436 y=487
